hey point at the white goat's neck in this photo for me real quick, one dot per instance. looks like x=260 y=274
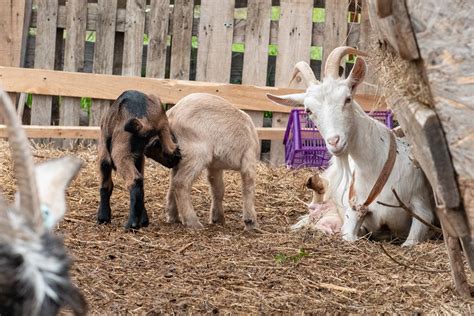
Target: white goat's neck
x=369 y=146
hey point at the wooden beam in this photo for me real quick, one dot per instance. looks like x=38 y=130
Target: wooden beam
x=92 y=132
x=109 y=87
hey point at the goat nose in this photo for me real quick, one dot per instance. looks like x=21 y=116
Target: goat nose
x=333 y=140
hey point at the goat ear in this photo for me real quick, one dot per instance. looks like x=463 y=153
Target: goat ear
x=133 y=126
x=296 y=99
x=357 y=74
x=52 y=179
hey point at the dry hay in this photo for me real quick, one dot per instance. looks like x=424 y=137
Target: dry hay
x=165 y=268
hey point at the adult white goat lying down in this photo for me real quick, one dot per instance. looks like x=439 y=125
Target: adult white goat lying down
x=211 y=134
x=363 y=151
x=34 y=265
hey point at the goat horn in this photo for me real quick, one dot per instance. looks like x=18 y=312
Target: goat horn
x=334 y=59
x=22 y=162
x=305 y=70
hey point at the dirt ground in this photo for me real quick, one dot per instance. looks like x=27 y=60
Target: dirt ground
x=165 y=268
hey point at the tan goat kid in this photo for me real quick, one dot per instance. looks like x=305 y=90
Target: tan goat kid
x=212 y=134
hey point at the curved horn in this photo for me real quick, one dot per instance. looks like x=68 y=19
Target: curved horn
x=22 y=162
x=334 y=60
x=306 y=72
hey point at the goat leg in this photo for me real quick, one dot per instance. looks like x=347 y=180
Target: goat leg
x=104 y=213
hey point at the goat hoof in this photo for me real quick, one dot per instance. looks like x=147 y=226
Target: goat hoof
x=103 y=220
x=250 y=224
x=349 y=237
x=173 y=220
x=217 y=221
x=194 y=225
x=409 y=243
x=132 y=225
x=144 y=222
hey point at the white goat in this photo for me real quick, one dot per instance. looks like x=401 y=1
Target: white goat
x=211 y=134
x=34 y=265
x=360 y=147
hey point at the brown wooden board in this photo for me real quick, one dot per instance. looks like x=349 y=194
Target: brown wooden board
x=335 y=27
x=157 y=37
x=183 y=12
x=109 y=87
x=11 y=23
x=294 y=41
x=133 y=40
x=103 y=52
x=216 y=27
x=74 y=57
x=257 y=37
x=44 y=56
x=92 y=132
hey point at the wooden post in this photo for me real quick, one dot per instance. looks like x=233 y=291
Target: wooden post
x=157 y=38
x=133 y=42
x=70 y=111
x=335 y=28
x=44 y=56
x=103 y=51
x=257 y=37
x=215 y=41
x=294 y=42
x=183 y=13
x=14 y=23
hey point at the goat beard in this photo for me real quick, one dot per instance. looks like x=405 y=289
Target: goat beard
x=338 y=175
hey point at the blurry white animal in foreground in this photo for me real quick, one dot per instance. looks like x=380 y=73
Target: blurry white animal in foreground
x=323 y=214
x=368 y=161
x=34 y=265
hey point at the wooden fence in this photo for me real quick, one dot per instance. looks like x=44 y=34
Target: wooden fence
x=255 y=43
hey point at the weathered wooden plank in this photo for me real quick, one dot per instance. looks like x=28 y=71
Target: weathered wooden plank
x=445 y=35
x=14 y=25
x=215 y=41
x=370 y=84
x=294 y=41
x=181 y=39
x=109 y=87
x=133 y=39
x=103 y=52
x=44 y=56
x=70 y=111
x=93 y=132
x=395 y=28
x=335 y=27
x=11 y=23
x=257 y=36
x=157 y=36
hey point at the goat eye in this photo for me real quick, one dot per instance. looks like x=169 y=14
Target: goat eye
x=348 y=100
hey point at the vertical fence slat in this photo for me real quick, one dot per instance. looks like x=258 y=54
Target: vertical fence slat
x=257 y=37
x=215 y=40
x=183 y=13
x=44 y=56
x=70 y=110
x=133 y=41
x=157 y=36
x=294 y=42
x=103 y=51
x=364 y=45
x=335 y=27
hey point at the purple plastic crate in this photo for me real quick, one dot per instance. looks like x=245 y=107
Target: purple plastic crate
x=304 y=146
